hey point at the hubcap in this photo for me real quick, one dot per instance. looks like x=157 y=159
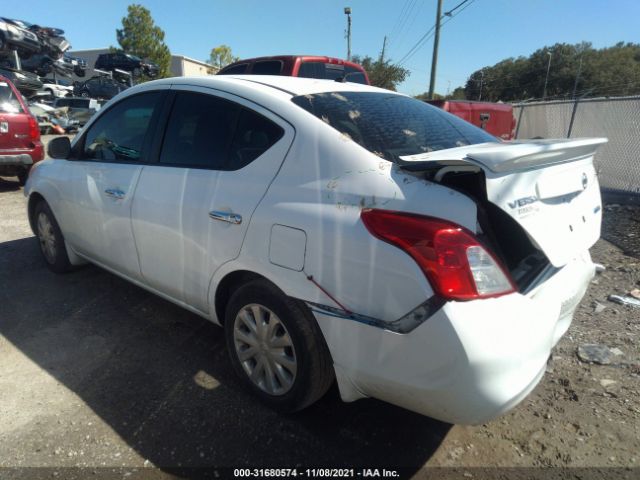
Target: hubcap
x=47 y=237
x=265 y=349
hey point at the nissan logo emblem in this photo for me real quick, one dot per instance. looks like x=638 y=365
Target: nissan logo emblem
x=585 y=181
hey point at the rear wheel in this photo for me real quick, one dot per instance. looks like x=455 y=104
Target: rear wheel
x=50 y=239
x=276 y=347
x=22 y=177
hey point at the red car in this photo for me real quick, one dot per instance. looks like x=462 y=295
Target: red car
x=495 y=118
x=299 y=66
x=20 y=145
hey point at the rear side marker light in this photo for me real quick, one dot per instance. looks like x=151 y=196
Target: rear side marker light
x=454 y=261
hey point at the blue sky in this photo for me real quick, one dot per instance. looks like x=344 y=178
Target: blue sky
x=485 y=32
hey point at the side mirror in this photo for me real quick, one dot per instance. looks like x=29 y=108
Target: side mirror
x=59 y=147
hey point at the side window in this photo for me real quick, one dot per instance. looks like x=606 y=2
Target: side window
x=271 y=67
x=119 y=134
x=354 y=75
x=311 y=70
x=254 y=135
x=333 y=72
x=199 y=132
x=234 y=70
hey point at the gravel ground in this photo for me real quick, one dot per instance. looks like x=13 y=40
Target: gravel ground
x=97 y=373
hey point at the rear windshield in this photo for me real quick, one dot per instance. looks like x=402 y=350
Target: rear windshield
x=391 y=125
x=8 y=101
x=268 y=67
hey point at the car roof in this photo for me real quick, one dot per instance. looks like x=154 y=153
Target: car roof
x=277 y=84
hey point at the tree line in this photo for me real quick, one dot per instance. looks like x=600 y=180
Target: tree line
x=577 y=70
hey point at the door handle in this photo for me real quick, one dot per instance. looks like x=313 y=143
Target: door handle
x=115 y=193
x=226 y=217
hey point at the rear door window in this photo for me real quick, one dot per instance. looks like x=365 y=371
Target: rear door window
x=199 y=132
x=120 y=134
x=270 y=67
x=254 y=135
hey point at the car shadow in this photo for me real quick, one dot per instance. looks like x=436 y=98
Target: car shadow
x=160 y=377
x=9 y=185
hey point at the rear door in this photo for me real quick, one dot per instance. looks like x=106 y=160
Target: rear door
x=112 y=154
x=192 y=208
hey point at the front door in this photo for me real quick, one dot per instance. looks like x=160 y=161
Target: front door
x=113 y=153
x=192 y=209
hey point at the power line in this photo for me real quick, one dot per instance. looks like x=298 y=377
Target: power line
x=429 y=33
x=402 y=34
x=403 y=12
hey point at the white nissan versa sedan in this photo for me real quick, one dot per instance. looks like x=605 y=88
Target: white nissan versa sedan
x=336 y=231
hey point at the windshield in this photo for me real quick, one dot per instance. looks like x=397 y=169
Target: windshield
x=391 y=125
x=8 y=101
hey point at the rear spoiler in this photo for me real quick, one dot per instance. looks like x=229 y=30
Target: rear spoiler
x=507 y=157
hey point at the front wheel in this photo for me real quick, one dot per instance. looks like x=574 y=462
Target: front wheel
x=276 y=347
x=50 y=239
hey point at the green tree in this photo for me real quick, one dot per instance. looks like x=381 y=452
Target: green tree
x=221 y=56
x=140 y=36
x=611 y=71
x=382 y=73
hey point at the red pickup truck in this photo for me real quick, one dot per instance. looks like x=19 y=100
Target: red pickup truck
x=309 y=66
x=495 y=118
x=20 y=145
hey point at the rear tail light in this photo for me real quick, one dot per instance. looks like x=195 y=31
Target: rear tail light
x=34 y=129
x=456 y=264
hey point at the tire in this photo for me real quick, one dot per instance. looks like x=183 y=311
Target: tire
x=22 y=177
x=84 y=93
x=50 y=238
x=298 y=362
x=136 y=72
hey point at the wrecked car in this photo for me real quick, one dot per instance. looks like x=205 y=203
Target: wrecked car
x=126 y=62
x=337 y=232
x=79 y=109
x=14 y=36
x=27 y=82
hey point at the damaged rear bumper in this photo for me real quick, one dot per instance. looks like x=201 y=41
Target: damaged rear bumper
x=468 y=363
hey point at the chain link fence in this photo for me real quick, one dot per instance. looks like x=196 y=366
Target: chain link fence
x=618 y=119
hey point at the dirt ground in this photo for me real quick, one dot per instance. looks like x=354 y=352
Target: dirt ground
x=97 y=373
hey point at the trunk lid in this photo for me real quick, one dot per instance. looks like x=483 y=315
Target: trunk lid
x=549 y=187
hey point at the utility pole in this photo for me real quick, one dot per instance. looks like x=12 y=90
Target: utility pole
x=481 y=82
x=546 y=79
x=347 y=12
x=434 y=59
x=384 y=47
x=575 y=84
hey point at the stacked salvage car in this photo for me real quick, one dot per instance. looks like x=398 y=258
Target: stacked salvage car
x=36 y=60
x=28 y=50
